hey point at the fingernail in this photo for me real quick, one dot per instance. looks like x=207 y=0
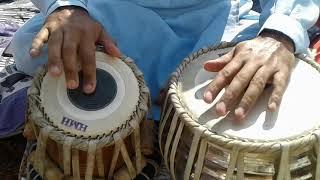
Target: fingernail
x=221 y=109
x=72 y=84
x=208 y=97
x=272 y=106
x=239 y=113
x=88 y=88
x=34 y=52
x=55 y=70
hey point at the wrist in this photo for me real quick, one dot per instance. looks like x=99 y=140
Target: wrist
x=72 y=8
x=280 y=37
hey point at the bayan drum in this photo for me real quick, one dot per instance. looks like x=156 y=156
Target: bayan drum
x=198 y=144
x=89 y=135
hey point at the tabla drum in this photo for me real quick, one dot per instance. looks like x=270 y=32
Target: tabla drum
x=89 y=136
x=198 y=144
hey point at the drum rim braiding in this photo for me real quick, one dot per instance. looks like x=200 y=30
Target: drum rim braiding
x=229 y=142
x=41 y=119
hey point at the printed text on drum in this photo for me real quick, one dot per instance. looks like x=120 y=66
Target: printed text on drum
x=74 y=124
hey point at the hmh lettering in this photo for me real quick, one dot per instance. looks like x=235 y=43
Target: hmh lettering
x=74 y=124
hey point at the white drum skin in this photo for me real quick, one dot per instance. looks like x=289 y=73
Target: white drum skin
x=72 y=119
x=298 y=112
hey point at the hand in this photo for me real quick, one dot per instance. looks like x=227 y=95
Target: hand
x=246 y=69
x=72 y=36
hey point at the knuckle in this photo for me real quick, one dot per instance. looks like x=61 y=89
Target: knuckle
x=281 y=82
x=241 y=78
x=89 y=72
x=88 y=55
x=88 y=61
x=97 y=25
x=69 y=68
x=229 y=94
x=68 y=48
x=212 y=87
x=241 y=45
x=247 y=101
x=36 y=43
x=53 y=59
x=83 y=29
x=258 y=82
x=276 y=98
x=68 y=28
x=53 y=27
x=225 y=74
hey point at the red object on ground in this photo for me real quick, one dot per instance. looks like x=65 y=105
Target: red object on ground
x=315 y=45
x=315 y=42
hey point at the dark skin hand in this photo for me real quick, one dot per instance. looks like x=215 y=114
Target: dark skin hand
x=246 y=70
x=72 y=37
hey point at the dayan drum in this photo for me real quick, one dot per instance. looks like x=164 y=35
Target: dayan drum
x=198 y=144
x=89 y=136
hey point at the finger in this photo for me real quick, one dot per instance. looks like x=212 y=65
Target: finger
x=109 y=45
x=280 y=82
x=40 y=39
x=69 y=56
x=218 y=64
x=239 y=83
x=54 y=53
x=254 y=90
x=223 y=78
x=88 y=67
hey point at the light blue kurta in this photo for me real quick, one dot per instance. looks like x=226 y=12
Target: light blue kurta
x=158 y=34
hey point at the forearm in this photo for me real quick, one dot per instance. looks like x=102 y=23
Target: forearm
x=291 y=17
x=48 y=6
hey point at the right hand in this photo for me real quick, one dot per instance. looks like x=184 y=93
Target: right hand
x=72 y=36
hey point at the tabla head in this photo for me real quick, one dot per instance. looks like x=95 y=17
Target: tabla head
x=297 y=114
x=107 y=108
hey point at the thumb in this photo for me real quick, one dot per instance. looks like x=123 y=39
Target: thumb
x=108 y=44
x=216 y=65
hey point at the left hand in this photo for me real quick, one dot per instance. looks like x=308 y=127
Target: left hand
x=246 y=69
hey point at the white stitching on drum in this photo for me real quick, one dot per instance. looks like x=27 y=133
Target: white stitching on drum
x=232 y=162
x=284 y=169
x=170 y=136
x=91 y=155
x=75 y=164
x=174 y=148
x=163 y=123
x=201 y=157
x=115 y=156
x=136 y=135
x=317 y=174
x=125 y=156
x=240 y=166
x=41 y=149
x=67 y=155
x=192 y=153
x=100 y=163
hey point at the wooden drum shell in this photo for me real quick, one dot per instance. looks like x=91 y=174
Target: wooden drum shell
x=99 y=155
x=55 y=153
x=215 y=163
